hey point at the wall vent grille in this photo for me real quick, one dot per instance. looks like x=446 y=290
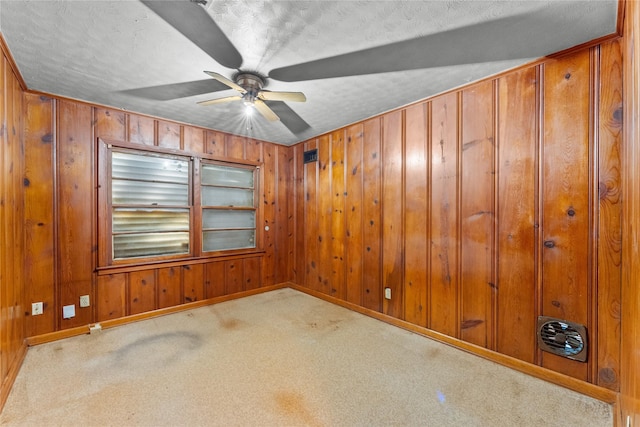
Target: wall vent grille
x=311 y=156
x=566 y=339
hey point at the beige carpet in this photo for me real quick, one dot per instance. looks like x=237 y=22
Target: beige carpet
x=281 y=358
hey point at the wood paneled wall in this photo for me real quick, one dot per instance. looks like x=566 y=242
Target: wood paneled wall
x=61 y=237
x=12 y=214
x=479 y=209
x=630 y=387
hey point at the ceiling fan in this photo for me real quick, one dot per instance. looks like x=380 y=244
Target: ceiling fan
x=483 y=42
x=250 y=85
x=195 y=23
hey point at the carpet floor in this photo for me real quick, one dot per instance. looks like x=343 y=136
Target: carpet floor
x=281 y=358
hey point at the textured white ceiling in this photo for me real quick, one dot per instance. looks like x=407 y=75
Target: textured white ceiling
x=116 y=52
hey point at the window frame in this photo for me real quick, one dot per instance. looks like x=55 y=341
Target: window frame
x=104 y=212
x=201 y=208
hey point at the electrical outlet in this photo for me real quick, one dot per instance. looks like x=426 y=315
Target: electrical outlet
x=387 y=293
x=36 y=308
x=84 y=301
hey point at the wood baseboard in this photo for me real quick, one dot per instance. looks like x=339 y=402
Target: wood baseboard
x=588 y=389
x=106 y=324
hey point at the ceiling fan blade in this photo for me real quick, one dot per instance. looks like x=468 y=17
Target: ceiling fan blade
x=196 y=24
x=226 y=81
x=266 y=111
x=288 y=117
x=496 y=40
x=267 y=95
x=176 y=90
x=220 y=100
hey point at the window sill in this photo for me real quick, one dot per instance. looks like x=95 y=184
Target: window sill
x=125 y=268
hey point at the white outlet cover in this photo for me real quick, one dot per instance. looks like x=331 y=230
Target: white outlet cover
x=84 y=301
x=36 y=308
x=68 y=311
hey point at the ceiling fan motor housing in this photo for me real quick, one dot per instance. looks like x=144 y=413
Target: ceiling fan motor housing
x=252 y=83
x=563 y=338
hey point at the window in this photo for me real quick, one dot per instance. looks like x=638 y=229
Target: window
x=149 y=209
x=228 y=207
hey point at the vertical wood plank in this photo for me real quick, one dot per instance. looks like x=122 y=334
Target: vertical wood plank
x=443 y=311
x=269 y=189
x=6 y=167
x=477 y=215
x=142 y=130
x=299 y=214
x=565 y=215
x=214 y=143
x=169 y=287
x=193 y=139
x=312 y=267
x=338 y=194
x=214 y=284
x=142 y=291
x=234 y=276
x=608 y=299
x=75 y=209
x=39 y=266
x=415 y=215
x=282 y=196
x=110 y=124
x=325 y=216
x=235 y=147
x=354 y=214
x=392 y=220
x=372 y=213
x=193 y=282
x=168 y=135
x=253 y=150
x=251 y=273
x=517 y=176
x=111 y=296
x=14 y=201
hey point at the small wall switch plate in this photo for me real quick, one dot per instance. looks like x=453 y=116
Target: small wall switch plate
x=36 y=308
x=68 y=311
x=387 y=293
x=84 y=301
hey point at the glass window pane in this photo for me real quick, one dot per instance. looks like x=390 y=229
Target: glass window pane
x=228 y=239
x=149 y=168
x=150 y=244
x=220 y=196
x=139 y=219
x=227 y=176
x=226 y=218
x=149 y=193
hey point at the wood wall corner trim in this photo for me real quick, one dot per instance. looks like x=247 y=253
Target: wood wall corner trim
x=7 y=384
x=12 y=63
x=630 y=297
x=620 y=19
